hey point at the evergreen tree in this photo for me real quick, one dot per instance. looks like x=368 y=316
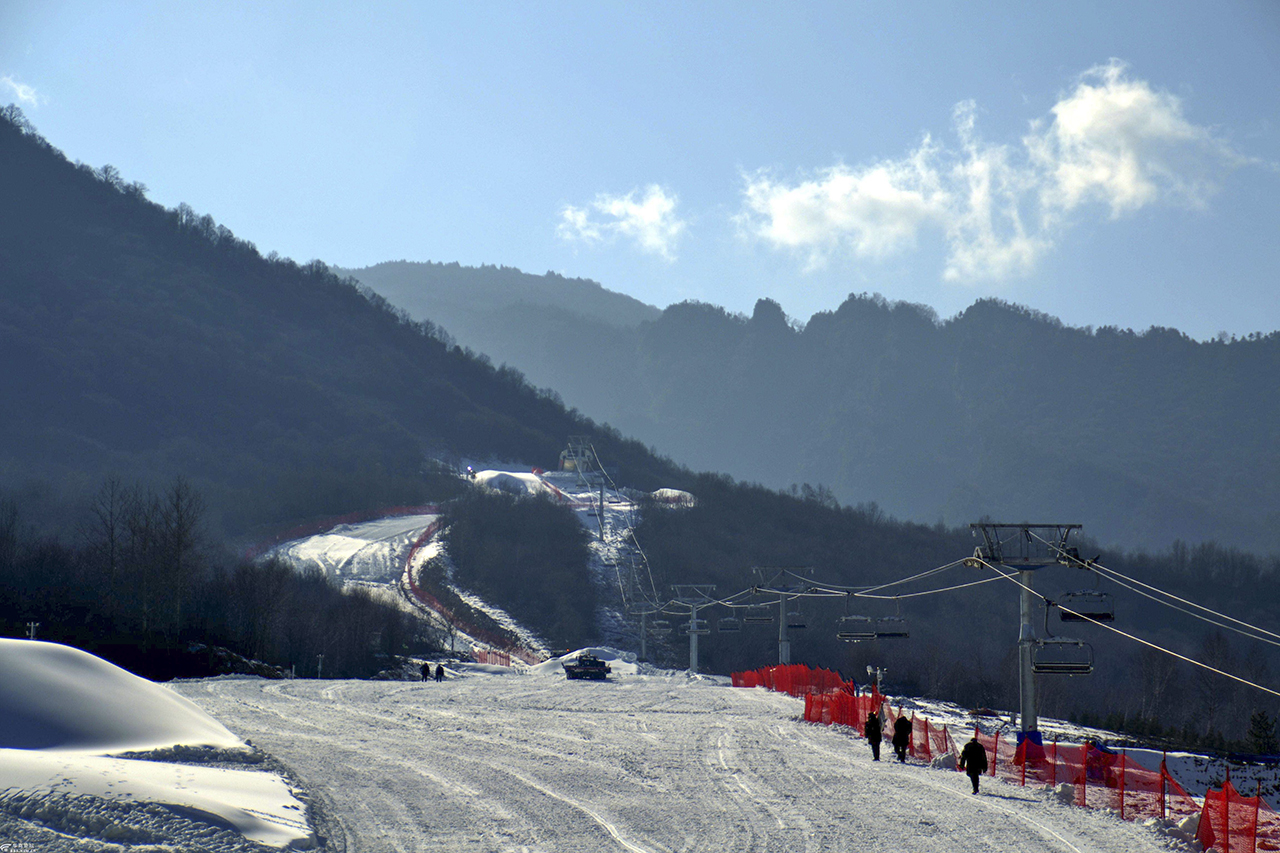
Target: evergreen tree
x=1262 y=734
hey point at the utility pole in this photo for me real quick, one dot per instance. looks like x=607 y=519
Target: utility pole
x=319 y=666
x=31 y=630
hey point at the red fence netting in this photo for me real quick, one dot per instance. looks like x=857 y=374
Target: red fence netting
x=435 y=604
x=1101 y=778
x=1233 y=823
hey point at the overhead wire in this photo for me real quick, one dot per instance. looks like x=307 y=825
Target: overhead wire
x=929 y=591
x=1120 y=579
x=631 y=527
x=865 y=591
x=1083 y=617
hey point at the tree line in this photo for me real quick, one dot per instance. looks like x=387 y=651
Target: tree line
x=141 y=582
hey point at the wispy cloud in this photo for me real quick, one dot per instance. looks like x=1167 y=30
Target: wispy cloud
x=649 y=220
x=1113 y=142
x=26 y=95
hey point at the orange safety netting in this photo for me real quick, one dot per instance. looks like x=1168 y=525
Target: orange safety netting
x=793 y=679
x=1102 y=779
x=1233 y=823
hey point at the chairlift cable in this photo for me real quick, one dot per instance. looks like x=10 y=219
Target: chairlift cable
x=1010 y=577
x=1199 y=616
x=914 y=577
x=928 y=591
x=1112 y=574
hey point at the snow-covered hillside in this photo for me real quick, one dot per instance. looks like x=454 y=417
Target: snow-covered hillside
x=376 y=554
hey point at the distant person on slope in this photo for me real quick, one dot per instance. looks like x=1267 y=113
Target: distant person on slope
x=872 y=731
x=973 y=760
x=901 y=737
x=439 y=672
x=426 y=671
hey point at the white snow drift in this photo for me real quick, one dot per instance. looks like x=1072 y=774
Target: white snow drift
x=66 y=716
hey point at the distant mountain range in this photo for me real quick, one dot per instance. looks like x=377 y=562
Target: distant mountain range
x=1004 y=412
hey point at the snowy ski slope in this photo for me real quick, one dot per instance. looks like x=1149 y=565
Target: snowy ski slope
x=640 y=763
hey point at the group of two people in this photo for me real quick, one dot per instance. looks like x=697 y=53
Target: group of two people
x=426 y=671
x=973 y=758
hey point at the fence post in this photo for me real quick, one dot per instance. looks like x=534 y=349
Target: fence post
x=1124 y=761
x=1084 y=775
x=1023 y=746
x=1226 y=813
x=1257 y=807
x=1164 y=770
x=1054 y=765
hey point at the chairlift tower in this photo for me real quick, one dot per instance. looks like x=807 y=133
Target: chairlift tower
x=786 y=584
x=693 y=596
x=1023 y=548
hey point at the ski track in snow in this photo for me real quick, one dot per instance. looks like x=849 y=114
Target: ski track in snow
x=645 y=764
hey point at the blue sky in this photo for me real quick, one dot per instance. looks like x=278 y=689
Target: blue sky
x=1108 y=166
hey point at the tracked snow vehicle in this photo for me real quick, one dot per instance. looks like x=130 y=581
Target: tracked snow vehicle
x=587 y=666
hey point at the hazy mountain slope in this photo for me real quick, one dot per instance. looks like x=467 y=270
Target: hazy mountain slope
x=556 y=329
x=1001 y=411
x=450 y=289
x=152 y=342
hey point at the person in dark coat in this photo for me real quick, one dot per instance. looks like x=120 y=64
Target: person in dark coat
x=426 y=671
x=973 y=760
x=901 y=737
x=872 y=731
x=439 y=672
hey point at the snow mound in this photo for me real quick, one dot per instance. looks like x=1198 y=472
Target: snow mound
x=620 y=663
x=511 y=482
x=1065 y=793
x=64 y=787
x=65 y=715
x=54 y=697
x=674 y=497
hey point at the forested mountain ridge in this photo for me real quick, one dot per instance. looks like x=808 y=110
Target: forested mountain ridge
x=152 y=342
x=463 y=297
x=1002 y=411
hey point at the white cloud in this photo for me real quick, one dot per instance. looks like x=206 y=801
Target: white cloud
x=875 y=211
x=1117 y=141
x=650 y=221
x=26 y=95
x=1113 y=141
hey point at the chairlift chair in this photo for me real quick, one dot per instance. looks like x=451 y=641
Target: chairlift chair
x=1062 y=656
x=758 y=616
x=892 y=628
x=795 y=620
x=729 y=625
x=852 y=629
x=660 y=625
x=1088 y=605
x=698 y=626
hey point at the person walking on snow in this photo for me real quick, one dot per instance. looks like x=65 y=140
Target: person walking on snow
x=872 y=732
x=426 y=671
x=439 y=672
x=901 y=737
x=973 y=760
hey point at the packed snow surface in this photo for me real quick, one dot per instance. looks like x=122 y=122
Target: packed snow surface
x=637 y=763
x=371 y=550
x=66 y=717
